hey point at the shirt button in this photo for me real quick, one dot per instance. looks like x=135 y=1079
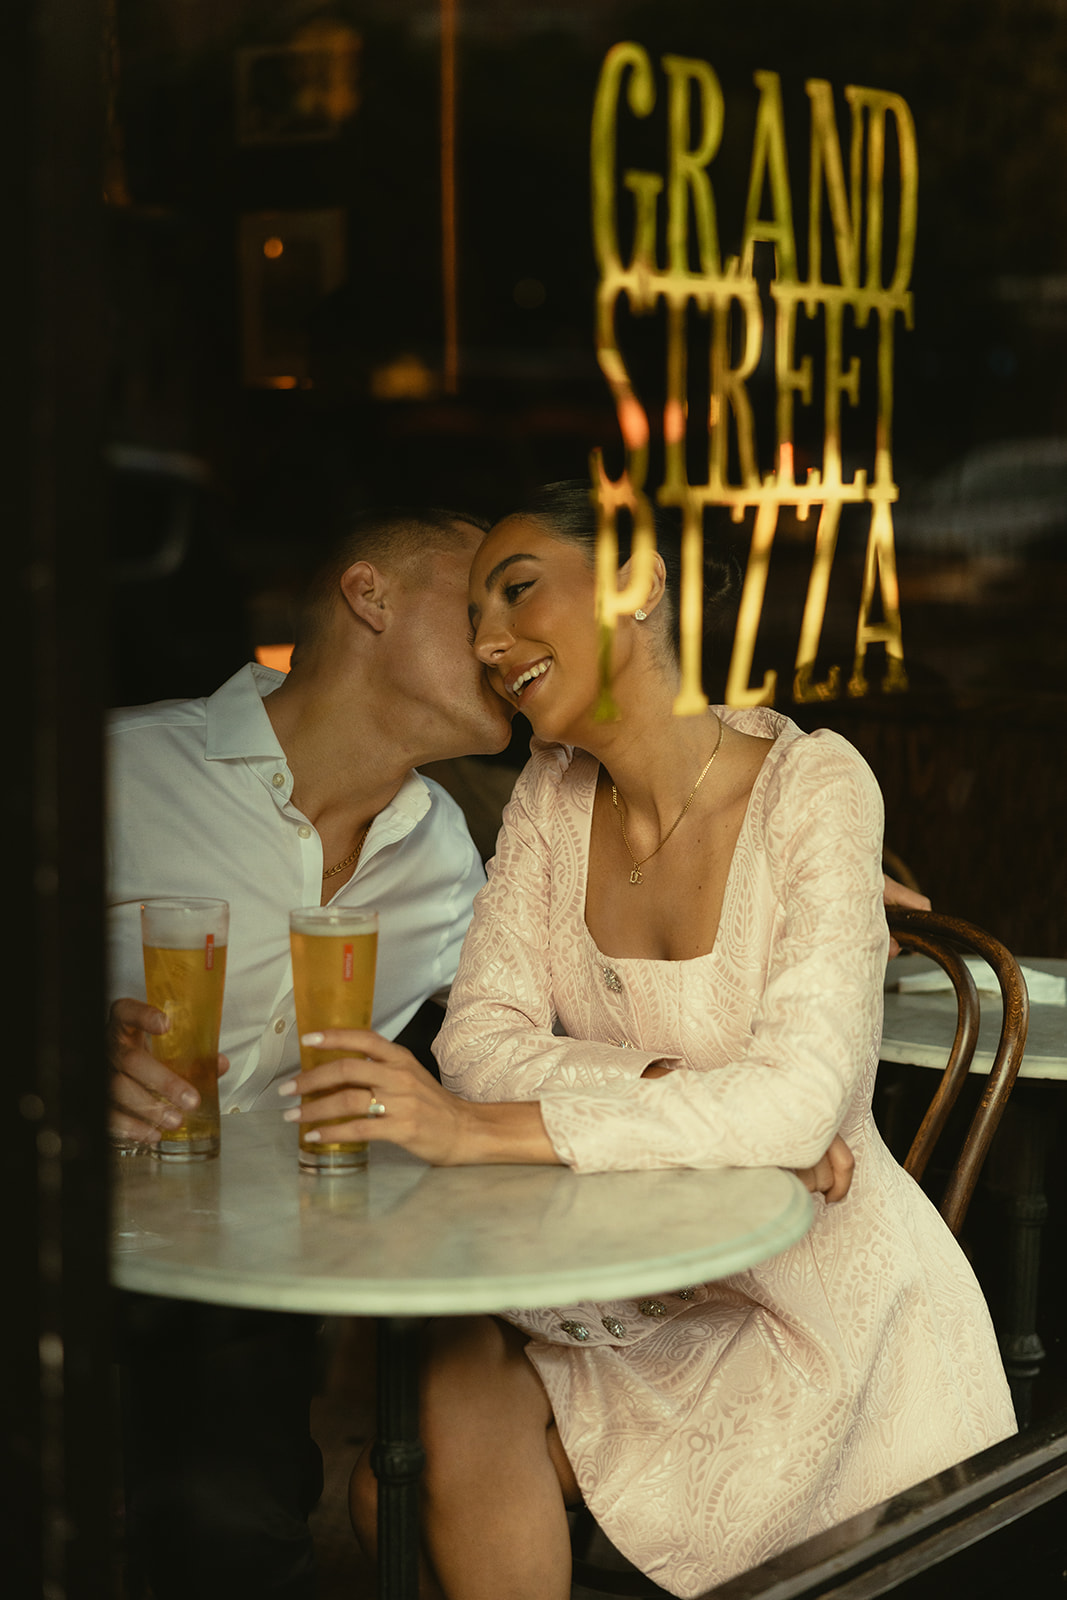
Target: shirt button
x=575 y=1330
x=234 y=1110
x=278 y=779
x=279 y=1026
x=652 y=1308
x=304 y=832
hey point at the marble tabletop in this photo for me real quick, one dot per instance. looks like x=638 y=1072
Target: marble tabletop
x=919 y=1027
x=402 y=1238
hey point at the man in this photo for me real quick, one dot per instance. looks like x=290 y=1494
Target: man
x=279 y=791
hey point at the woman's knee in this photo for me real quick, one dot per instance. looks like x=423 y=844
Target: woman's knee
x=476 y=1384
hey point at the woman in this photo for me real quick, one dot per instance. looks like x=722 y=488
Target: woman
x=678 y=960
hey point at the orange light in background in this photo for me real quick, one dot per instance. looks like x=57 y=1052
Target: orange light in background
x=406 y=378
x=273 y=247
x=274 y=655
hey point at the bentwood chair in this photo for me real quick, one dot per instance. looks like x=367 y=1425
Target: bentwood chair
x=947 y=940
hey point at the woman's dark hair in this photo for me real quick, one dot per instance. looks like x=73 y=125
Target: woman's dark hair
x=568 y=512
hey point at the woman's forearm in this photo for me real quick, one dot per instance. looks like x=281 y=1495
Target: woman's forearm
x=509 y=1131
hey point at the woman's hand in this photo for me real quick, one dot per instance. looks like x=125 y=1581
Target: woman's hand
x=420 y=1114
x=832 y=1176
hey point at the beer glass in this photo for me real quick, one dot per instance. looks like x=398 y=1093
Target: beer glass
x=334 y=955
x=184 y=943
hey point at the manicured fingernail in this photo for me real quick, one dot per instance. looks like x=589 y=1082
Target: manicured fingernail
x=311 y=1038
x=287 y=1088
x=313 y=1137
x=291 y=1116
x=190 y=1100
x=171 y=1119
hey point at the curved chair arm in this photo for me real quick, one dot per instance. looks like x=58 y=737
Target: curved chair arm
x=941 y=937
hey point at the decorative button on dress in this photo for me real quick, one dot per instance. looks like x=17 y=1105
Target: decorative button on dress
x=711 y=1427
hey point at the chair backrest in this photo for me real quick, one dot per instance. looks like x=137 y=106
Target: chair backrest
x=943 y=938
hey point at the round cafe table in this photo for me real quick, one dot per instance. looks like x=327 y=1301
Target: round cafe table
x=918 y=1029
x=401 y=1241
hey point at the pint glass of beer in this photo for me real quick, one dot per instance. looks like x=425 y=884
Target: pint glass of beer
x=334 y=955
x=184 y=944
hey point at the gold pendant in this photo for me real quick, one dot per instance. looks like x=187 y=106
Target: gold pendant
x=635 y=876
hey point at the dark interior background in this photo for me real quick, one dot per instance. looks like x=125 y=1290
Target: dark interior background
x=245 y=393
x=184 y=406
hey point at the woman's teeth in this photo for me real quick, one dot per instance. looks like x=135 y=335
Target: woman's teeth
x=526 y=677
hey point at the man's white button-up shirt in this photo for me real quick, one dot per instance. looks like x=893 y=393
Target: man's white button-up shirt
x=199 y=803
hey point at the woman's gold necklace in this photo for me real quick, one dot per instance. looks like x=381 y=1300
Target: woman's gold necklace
x=349 y=860
x=636 y=874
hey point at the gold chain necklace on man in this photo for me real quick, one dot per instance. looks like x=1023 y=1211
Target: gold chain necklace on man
x=636 y=875
x=349 y=860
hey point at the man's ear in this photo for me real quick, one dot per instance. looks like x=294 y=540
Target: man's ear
x=364 y=589
x=657 y=588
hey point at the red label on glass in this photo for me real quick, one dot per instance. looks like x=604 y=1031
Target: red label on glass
x=348 y=964
x=209 y=952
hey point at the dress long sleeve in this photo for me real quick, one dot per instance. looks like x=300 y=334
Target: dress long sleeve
x=803 y=1028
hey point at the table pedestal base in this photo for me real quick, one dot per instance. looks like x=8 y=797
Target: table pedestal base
x=398 y=1457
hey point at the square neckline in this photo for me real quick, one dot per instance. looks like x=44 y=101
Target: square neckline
x=780 y=744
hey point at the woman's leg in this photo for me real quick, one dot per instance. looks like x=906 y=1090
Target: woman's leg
x=496 y=1482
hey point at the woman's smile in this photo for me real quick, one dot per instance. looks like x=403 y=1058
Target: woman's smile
x=527 y=676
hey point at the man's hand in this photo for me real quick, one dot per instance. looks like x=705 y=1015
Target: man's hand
x=832 y=1176
x=895 y=894
x=146 y=1096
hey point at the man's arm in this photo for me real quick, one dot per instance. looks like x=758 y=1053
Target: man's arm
x=896 y=894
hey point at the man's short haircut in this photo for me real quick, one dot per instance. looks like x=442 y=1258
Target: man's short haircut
x=398 y=539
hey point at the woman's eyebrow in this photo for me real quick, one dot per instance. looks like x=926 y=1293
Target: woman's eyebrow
x=501 y=566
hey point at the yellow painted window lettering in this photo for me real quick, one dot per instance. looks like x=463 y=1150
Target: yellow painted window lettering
x=699 y=282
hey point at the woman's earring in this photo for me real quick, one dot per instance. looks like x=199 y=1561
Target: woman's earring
x=640 y=616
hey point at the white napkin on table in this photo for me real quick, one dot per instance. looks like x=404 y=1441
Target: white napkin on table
x=1044 y=988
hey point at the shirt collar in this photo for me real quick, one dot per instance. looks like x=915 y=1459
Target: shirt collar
x=238 y=728
x=237 y=724
x=412 y=799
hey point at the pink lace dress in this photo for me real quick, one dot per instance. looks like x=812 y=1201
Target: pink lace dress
x=713 y=1427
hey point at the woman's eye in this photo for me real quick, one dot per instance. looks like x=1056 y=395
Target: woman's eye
x=512 y=591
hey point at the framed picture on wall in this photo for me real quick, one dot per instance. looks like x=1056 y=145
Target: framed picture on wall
x=300 y=91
